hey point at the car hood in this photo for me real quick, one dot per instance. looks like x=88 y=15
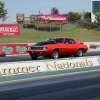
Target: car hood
x=44 y=43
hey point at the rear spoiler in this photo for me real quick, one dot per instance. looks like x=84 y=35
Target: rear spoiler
x=81 y=43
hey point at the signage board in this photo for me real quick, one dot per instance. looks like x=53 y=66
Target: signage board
x=61 y=17
x=9 y=29
x=13 y=49
x=25 y=67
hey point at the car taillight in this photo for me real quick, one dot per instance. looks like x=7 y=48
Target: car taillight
x=44 y=48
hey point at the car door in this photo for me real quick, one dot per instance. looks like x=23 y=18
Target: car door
x=70 y=47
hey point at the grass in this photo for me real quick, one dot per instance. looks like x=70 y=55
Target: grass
x=68 y=30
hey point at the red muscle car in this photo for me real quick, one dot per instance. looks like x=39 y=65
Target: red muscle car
x=56 y=47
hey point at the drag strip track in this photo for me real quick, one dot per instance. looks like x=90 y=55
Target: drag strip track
x=76 y=86
x=28 y=58
x=82 y=86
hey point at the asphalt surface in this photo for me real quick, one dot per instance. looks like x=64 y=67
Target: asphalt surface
x=28 y=58
x=64 y=88
x=82 y=86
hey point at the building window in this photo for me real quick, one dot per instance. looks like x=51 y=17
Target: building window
x=95 y=6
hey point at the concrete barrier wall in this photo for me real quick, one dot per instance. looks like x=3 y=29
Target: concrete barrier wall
x=20 y=49
x=23 y=67
x=29 y=69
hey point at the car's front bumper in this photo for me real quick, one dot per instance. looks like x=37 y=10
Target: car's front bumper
x=39 y=52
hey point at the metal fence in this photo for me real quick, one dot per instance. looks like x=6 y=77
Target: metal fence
x=44 y=27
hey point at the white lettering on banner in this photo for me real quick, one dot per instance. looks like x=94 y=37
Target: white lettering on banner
x=9 y=29
x=34 y=67
x=8 y=33
x=60 y=18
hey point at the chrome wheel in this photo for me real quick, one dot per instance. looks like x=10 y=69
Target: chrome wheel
x=54 y=55
x=79 y=53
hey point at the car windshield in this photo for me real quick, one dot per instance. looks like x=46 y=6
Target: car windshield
x=57 y=40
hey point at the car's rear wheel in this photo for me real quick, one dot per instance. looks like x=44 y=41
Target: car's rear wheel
x=79 y=53
x=54 y=54
x=33 y=56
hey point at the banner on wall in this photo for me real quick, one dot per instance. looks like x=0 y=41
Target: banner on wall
x=13 y=49
x=9 y=29
x=44 y=66
x=61 y=17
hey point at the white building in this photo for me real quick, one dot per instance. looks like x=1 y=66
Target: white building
x=95 y=6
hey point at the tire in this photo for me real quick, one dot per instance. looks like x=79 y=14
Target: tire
x=33 y=56
x=79 y=53
x=54 y=54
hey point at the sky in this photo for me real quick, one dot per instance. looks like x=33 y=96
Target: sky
x=29 y=7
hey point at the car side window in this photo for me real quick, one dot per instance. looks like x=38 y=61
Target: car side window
x=66 y=41
x=69 y=41
x=59 y=40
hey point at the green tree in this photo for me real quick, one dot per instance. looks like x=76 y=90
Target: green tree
x=87 y=15
x=54 y=10
x=3 y=18
x=73 y=16
x=3 y=12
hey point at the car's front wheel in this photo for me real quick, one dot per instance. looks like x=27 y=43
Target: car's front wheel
x=79 y=53
x=54 y=54
x=33 y=56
